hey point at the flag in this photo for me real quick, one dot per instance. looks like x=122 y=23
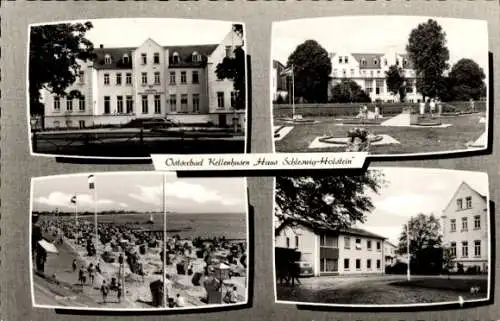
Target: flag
x=91 y=182
x=73 y=200
x=287 y=71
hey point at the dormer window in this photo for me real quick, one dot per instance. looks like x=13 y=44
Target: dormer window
x=107 y=60
x=175 y=58
x=397 y=62
x=156 y=58
x=375 y=61
x=125 y=59
x=385 y=62
x=363 y=61
x=346 y=59
x=405 y=62
x=340 y=60
x=196 y=57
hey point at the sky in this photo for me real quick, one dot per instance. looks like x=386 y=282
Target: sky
x=127 y=32
x=376 y=34
x=141 y=191
x=410 y=191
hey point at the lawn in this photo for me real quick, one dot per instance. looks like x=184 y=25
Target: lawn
x=464 y=129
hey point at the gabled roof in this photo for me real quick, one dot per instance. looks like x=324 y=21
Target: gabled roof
x=370 y=60
x=464 y=184
x=185 y=55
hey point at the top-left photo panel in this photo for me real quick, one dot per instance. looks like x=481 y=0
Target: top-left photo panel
x=129 y=88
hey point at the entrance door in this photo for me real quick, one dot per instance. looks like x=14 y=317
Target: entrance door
x=222 y=120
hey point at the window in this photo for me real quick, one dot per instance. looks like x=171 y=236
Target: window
x=144 y=58
x=369 y=245
x=464 y=224
x=363 y=61
x=453 y=225
x=352 y=72
x=369 y=264
x=157 y=78
x=358 y=244
x=378 y=264
x=81 y=77
x=69 y=123
x=173 y=103
x=371 y=73
x=144 y=78
x=195 y=77
x=157 y=104
x=477 y=222
x=125 y=59
x=175 y=58
x=81 y=123
x=184 y=103
x=229 y=51
x=106 y=79
x=196 y=103
x=453 y=249
x=477 y=248
x=81 y=103
x=368 y=85
x=346 y=59
x=144 y=99
x=156 y=58
x=358 y=264
x=379 y=86
x=107 y=59
x=409 y=85
x=328 y=241
x=346 y=264
x=196 y=57
x=405 y=62
x=183 y=77
x=347 y=242
x=287 y=242
x=340 y=60
x=107 y=104
x=328 y=265
x=397 y=62
x=378 y=246
x=172 y=77
x=233 y=99
x=220 y=100
x=296 y=241
x=119 y=104
x=385 y=62
x=459 y=204
x=69 y=105
x=130 y=105
x=344 y=73
x=465 y=249
x=118 y=78
x=468 y=202
x=128 y=78
x=375 y=61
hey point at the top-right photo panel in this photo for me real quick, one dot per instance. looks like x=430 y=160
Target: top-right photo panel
x=386 y=85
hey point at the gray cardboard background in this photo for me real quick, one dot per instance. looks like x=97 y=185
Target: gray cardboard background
x=18 y=166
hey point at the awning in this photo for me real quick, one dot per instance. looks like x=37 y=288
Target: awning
x=49 y=247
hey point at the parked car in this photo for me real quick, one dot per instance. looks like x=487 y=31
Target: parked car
x=305 y=269
x=148 y=123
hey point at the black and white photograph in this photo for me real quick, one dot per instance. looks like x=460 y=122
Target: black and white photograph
x=391 y=237
x=386 y=85
x=128 y=88
x=156 y=243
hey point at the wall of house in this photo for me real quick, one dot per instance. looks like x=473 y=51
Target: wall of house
x=74 y=121
x=188 y=88
x=307 y=243
x=351 y=253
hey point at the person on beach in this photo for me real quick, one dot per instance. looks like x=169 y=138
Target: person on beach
x=74 y=265
x=104 y=290
x=98 y=268
x=119 y=293
x=180 y=302
x=91 y=272
x=81 y=277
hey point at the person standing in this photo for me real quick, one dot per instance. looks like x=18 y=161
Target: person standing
x=422 y=106
x=74 y=265
x=119 y=293
x=432 y=106
x=91 y=272
x=104 y=290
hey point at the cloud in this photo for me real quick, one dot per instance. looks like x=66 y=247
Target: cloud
x=64 y=200
x=182 y=190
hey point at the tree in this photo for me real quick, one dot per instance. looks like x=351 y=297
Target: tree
x=448 y=260
x=425 y=242
x=466 y=80
x=312 y=68
x=337 y=201
x=348 y=91
x=428 y=52
x=53 y=60
x=233 y=68
x=396 y=81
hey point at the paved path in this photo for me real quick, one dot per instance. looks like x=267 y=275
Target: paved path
x=400 y=120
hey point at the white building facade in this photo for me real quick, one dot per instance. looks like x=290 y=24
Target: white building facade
x=349 y=252
x=176 y=82
x=368 y=71
x=465 y=227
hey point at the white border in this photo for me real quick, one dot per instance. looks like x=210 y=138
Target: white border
x=457 y=172
x=28 y=115
x=375 y=156
x=222 y=306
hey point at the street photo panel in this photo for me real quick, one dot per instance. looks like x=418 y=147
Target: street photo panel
x=129 y=88
x=391 y=86
x=391 y=237
x=155 y=243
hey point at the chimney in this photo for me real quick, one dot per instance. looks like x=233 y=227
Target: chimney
x=101 y=46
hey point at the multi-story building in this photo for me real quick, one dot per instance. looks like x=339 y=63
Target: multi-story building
x=279 y=81
x=390 y=256
x=352 y=251
x=368 y=71
x=465 y=227
x=177 y=82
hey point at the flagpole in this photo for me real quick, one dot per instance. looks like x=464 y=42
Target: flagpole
x=76 y=209
x=164 y=241
x=293 y=93
x=408 y=250
x=95 y=221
